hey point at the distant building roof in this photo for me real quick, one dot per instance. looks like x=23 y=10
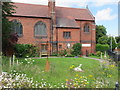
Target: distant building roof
x=65 y=17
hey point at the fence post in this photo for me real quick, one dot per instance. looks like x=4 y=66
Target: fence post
x=10 y=60
x=17 y=62
x=13 y=59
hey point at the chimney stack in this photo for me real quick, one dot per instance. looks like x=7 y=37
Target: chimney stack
x=52 y=14
x=51 y=6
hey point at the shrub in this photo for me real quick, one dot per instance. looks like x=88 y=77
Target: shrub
x=92 y=54
x=76 y=49
x=63 y=52
x=69 y=51
x=102 y=47
x=98 y=53
x=24 y=50
x=54 y=54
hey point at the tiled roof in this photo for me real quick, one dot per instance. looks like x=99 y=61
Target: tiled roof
x=65 y=16
x=31 y=10
x=76 y=13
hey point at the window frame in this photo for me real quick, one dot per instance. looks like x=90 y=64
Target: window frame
x=45 y=28
x=67 y=35
x=14 y=30
x=86 y=28
x=44 y=47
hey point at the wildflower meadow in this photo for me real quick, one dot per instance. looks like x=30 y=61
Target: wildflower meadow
x=30 y=73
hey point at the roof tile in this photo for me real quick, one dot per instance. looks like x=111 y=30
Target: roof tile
x=65 y=16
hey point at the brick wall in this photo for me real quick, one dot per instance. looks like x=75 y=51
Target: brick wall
x=77 y=35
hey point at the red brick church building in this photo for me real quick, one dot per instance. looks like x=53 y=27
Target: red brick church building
x=54 y=28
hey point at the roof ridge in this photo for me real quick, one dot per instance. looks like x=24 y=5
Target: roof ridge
x=47 y=5
x=42 y=11
x=70 y=7
x=29 y=4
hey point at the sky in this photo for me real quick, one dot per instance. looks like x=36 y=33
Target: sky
x=104 y=11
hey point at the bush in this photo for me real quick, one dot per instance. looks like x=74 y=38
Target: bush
x=63 y=52
x=98 y=53
x=76 y=49
x=24 y=50
x=102 y=47
x=92 y=54
x=54 y=54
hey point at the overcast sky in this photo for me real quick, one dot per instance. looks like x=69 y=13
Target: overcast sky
x=105 y=11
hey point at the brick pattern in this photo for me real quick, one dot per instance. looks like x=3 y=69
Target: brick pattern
x=56 y=34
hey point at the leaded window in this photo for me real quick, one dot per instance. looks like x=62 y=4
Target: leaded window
x=40 y=30
x=17 y=27
x=86 y=28
x=44 y=47
x=67 y=35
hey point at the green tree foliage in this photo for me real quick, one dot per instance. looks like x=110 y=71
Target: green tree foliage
x=114 y=45
x=102 y=47
x=76 y=49
x=118 y=45
x=103 y=40
x=117 y=39
x=7 y=38
x=100 y=31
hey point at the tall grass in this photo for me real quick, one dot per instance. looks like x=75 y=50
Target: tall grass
x=60 y=69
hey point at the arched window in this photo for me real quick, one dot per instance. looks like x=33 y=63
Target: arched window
x=40 y=30
x=17 y=27
x=86 y=28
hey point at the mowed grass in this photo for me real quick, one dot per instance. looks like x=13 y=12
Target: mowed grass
x=59 y=69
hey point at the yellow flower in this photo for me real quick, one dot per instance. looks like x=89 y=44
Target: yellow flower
x=109 y=75
x=66 y=79
x=78 y=80
x=73 y=66
x=90 y=76
x=77 y=75
x=75 y=84
x=80 y=76
x=112 y=66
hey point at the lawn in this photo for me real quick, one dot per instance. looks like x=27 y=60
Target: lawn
x=60 y=70
x=95 y=57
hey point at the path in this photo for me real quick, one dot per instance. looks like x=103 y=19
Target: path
x=100 y=60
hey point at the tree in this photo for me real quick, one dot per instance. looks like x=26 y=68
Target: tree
x=118 y=45
x=103 y=40
x=102 y=47
x=117 y=39
x=8 y=38
x=76 y=49
x=114 y=45
x=100 y=31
